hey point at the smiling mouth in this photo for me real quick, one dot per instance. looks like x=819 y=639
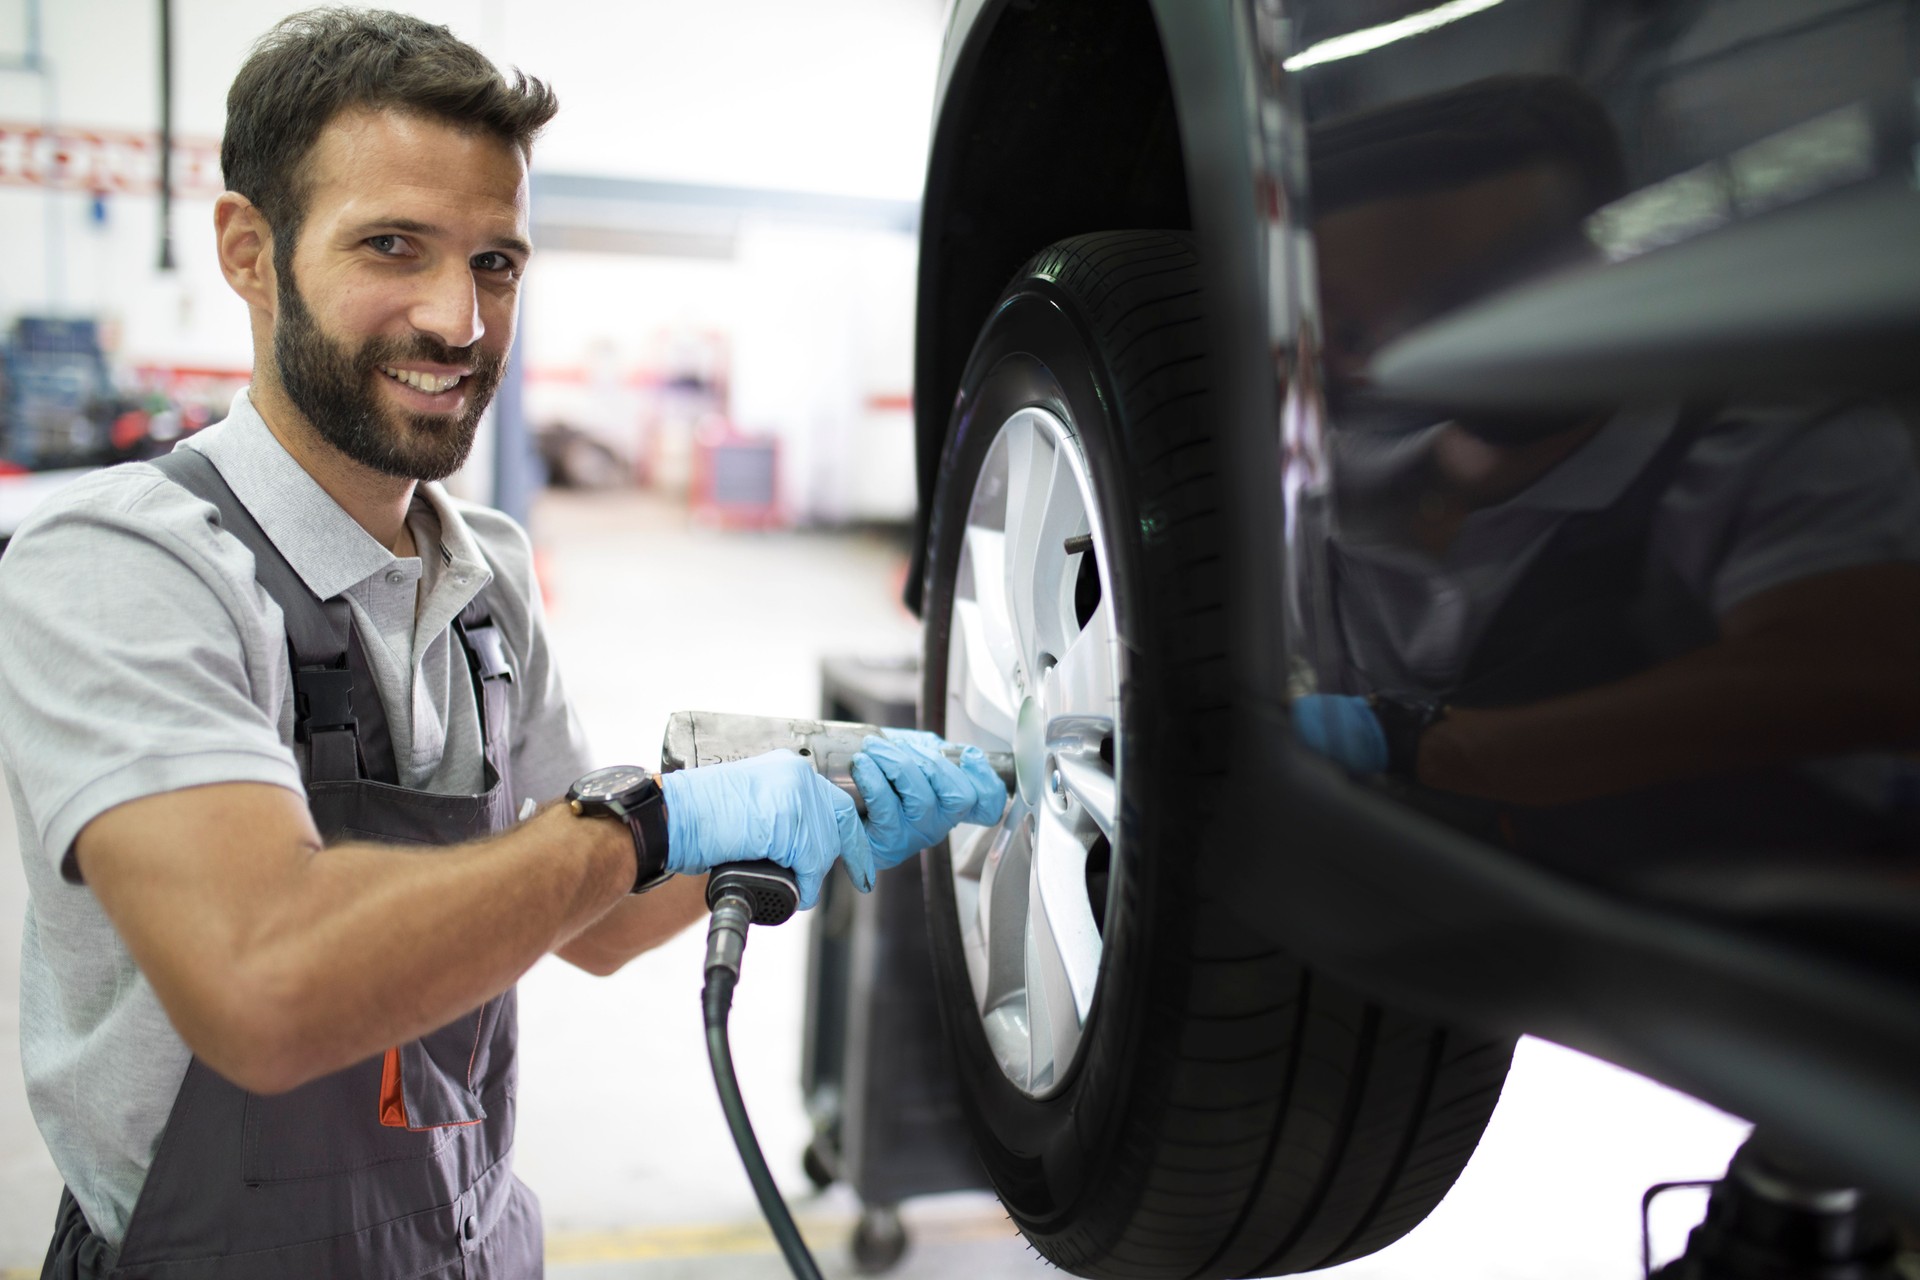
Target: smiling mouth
x=431 y=383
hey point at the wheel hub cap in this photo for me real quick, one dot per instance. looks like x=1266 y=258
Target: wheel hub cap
x=1030 y=751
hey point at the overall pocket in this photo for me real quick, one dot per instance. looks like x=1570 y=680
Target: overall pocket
x=438 y=1080
x=327 y=1126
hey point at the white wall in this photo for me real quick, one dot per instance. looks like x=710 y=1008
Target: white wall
x=827 y=327
x=823 y=96
x=771 y=93
x=828 y=97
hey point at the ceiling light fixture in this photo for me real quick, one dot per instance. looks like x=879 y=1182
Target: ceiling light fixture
x=1354 y=43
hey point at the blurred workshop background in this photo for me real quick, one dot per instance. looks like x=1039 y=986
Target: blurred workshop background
x=708 y=431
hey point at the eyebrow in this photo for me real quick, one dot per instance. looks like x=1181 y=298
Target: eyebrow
x=415 y=227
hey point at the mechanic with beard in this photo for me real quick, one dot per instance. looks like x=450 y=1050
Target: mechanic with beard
x=273 y=703
x=1609 y=637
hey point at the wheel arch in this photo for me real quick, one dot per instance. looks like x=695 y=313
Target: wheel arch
x=1056 y=118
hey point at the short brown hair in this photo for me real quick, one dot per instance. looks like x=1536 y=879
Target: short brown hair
x=314 y=65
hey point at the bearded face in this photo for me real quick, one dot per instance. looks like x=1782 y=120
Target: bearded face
x=336 y=386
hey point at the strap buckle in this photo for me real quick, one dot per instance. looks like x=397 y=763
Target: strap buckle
x=322 y=701
x=489 y=649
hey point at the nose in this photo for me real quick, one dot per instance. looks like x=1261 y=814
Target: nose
x=448 y=306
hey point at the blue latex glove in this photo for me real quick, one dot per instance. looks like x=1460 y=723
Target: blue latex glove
x=766 y=806
x=1342 y=728
x=915 y=795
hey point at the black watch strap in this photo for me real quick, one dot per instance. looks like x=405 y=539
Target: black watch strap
x=1404 y=721
x=633 y=796
x=648 y=822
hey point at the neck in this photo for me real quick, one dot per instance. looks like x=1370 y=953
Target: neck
x=1482 y=474
x=378 y=502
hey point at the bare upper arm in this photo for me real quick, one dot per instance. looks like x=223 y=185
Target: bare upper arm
x=192 y=880
x=1872 y=606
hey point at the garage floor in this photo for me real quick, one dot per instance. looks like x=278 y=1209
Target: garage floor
x=620 y=1133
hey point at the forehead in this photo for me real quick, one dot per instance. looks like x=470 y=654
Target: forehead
x=371 y=165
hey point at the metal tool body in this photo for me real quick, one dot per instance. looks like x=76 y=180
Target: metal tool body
x=762 y=892
x=696 y=738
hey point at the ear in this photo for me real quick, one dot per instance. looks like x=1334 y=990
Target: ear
x=245 y=245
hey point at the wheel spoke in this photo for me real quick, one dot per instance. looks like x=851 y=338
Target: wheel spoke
x=976 y=688
x=1003 y=917
x=974 y=874
x=1044 y=508
x=1089 y=781
x=1042 y=1032
x=1069 y=945
x=986 y=553
x=969 y=846
x=1085 y=679
x=1030 y=459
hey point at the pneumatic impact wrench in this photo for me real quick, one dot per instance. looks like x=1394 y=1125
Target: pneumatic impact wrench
x=746 y=893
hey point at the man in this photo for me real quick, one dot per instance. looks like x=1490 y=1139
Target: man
x=268 y=1029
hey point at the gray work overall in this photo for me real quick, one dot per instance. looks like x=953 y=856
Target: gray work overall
x=399 y=1166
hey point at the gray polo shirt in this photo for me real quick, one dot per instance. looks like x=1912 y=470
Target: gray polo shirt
x=142 y=657
x=1785 y=494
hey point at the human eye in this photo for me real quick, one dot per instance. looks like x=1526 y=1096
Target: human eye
x=493 y=262
x=389 y=245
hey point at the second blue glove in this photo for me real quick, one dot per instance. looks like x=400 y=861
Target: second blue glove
x=915 y=795
x=1342 y=728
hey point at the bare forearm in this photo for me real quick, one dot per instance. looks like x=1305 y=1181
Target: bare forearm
x=279 y=961
x=1820 y=666
x=376 y=945
x=1724 y=709
x=637 y=924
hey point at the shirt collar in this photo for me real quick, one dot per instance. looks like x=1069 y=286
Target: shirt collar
x=1594 y=476
x=320 y=541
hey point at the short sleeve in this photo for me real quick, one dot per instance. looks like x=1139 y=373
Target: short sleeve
x=139 y=655
x=1798 y=500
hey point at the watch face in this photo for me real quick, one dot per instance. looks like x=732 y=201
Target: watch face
x=608 y=784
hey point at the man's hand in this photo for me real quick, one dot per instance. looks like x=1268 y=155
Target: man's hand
x=1342 y=728
x=767 y=806
x=915 y=795
x=777 y=806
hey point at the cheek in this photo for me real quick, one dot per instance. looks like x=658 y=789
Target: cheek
x=500 y=310
x=367 y=309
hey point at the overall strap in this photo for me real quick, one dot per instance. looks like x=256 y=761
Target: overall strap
x=319 y=632
x=1577 y=617
x=492 y=670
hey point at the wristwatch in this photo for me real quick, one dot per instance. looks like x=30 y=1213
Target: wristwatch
x=631 y=794
x=1404 y=721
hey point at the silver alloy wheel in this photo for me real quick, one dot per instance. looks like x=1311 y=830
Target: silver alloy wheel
x=1034 y=666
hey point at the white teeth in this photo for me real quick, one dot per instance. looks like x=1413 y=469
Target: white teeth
x=428 y=382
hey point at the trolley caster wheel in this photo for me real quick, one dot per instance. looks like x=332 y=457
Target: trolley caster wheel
x=879 y=1240
x=818 y=1165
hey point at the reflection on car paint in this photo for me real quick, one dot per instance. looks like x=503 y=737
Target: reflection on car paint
x=1652 y=631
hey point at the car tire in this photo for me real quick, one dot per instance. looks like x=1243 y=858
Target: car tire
x=1223 y=1109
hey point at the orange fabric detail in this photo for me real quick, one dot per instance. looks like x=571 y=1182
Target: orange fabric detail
x=393 y=1105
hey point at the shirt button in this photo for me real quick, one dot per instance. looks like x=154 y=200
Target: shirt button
x=395 y=577
x=470 y=1228
x=461 y=579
